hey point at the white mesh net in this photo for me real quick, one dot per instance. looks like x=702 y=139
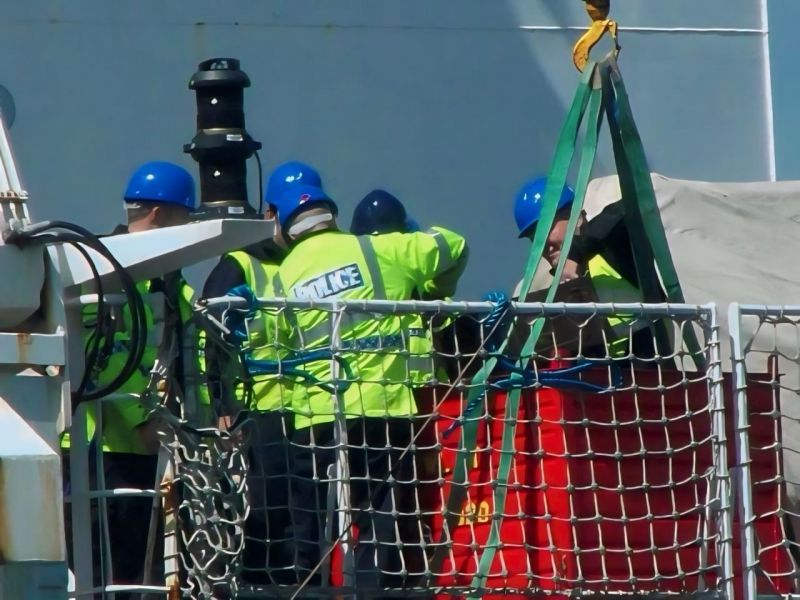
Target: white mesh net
x=364 y=454
x=766 y=350
x=373 y=470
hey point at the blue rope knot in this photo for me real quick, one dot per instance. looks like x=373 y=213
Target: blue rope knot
x=245 y=292
x=565 y=378
x=494 y=325
x=236 y=320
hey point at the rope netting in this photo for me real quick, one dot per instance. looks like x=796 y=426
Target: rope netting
x=372 y=470
x=205 y=508
x=766 y=351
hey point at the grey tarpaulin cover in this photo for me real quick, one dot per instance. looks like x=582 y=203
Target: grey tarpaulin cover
x=731 y=242
x=735 y=242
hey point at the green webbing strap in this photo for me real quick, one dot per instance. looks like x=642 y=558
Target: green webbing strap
x=644 y=224
x=643 y=218
x=288 y=313
x=555 y=183
x=643 y=259
x=478 y=387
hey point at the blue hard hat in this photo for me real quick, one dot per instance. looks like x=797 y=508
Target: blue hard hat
x=295 y=185
x=380 y=212
x=529 y=201
x=163 y=182
x=412 y=226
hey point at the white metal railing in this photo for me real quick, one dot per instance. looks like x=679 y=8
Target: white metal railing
x=88 y=505
x=687 y=409
x=618 y=481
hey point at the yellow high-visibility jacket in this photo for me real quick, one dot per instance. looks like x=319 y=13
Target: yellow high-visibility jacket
x=376 y=348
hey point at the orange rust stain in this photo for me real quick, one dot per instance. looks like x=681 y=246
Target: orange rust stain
x=24 y=342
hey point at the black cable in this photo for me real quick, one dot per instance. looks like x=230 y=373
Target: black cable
x=138 y=337
x=37 y=232
x=260 y=185
x=135 y=302
x=92 y=349
x=93 y=340
x=138 y=314
x=138 y=332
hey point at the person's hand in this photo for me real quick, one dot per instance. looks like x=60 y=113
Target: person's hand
x=572 y=270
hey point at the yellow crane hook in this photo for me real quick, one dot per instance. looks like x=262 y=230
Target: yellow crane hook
x=598 y=11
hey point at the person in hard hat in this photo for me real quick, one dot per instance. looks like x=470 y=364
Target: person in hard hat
x=381 y=212
x=159 y=194
x=234 y=392
x=601 y=251
x=253 y=266
x=375 y=404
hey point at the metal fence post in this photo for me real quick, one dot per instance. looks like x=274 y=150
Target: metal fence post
x=745 y=487
x=344 y=506
x=102 y=498
x=80 y=503
x=724 y=488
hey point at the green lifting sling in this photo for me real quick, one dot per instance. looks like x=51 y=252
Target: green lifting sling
x=600 y=92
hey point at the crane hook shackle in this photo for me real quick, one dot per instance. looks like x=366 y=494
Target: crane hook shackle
x=598 y=11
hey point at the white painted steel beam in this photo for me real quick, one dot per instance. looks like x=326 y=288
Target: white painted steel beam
x=31 y=520
x=149 y=254
x=33 y=349
x=22 y=277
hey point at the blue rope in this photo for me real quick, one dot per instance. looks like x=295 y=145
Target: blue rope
x=236 y=320
x=529 y=377
x=496 y=323
x=291 y=367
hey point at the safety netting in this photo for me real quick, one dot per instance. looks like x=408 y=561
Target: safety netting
x=176 y=524
x=766 y=352
x=205 y=507
x=380 y=465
